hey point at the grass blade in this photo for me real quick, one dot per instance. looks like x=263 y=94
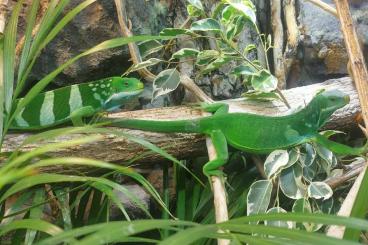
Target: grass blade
x=10 y=36
x=31 y=20
x=2 y=89
x=114 y=231
x=46 y=148
x=31 y=224
x=360 y=208
x=35 y=213
x=44 y=36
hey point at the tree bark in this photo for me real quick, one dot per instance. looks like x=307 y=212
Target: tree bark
x=184 y=146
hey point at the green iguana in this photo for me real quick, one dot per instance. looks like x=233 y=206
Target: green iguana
x=255 y=133
x=72 y=103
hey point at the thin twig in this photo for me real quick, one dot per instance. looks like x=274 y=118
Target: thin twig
x=136 y=57
x=324 y=6
x=355 y=169
x=278 y=43
x=360 y=76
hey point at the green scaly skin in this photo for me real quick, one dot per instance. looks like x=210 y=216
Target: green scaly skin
x=255 y=133
x=75 y=102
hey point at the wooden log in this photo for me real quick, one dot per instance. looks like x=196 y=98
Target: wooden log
x=184 y=146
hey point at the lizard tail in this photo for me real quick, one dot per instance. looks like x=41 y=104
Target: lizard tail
x=178 y=126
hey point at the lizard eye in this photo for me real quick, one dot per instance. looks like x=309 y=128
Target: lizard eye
x=126 y=84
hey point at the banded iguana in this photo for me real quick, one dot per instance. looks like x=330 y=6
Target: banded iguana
x=72 y=103
x=255 y=133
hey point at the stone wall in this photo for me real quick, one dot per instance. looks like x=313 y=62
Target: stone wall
x=321 y=53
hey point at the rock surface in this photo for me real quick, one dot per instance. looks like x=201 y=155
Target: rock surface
x=97 y=23
x=323 y=54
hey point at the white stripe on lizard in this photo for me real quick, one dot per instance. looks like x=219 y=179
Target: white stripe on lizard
x=19 y=119
x=75 y=99
x=47 y=116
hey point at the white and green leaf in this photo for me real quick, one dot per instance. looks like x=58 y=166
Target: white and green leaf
x=185 y=52
x=279 y=223
x=319 y=190
x=165 y=82
x=259 y=196
x=208 y=24
x=275 y=162
x=291 y=182
x=264 y=81
x=143 y=64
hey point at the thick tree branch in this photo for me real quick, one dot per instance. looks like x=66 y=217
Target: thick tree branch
x=278 y=42
x=189 y=145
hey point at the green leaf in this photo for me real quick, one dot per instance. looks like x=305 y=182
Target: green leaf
x=172 y=32
x=143 y=64
x=197 y=4
x=205 y=25
x=149 y=47
x=261 y=96
x=47 y=33
x=291 y=182
x=35 y=213
x=165 y=82
x=319 y=190
x=106 y=190
x=359 y=208
x=2 y=94
x=10 y=35
x=249 y=48
x=114 y=231
x=325 y=154
x=310 y=155
x=216 y=64
x=264 y=82
x=31 y=19
x=240 y=228
x=275 y=162
x=227 y=14
x=185 y=52
x=206 y=56
x=62 y=195
x=279 y=223
x=243 y=70
x=246 y=8
x=259 y=197
x=31 y=224
x=193 y=11
x=294 y=155
x=302 y=205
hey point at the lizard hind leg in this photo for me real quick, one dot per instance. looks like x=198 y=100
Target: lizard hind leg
x=222 y=155
x=80 y=113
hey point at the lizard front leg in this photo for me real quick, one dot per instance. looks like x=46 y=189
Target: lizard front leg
x=77 y=116
x=222 y=155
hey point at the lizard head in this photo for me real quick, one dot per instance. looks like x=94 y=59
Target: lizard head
x=328 y=101
x=126 y=85
x=122 y=90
